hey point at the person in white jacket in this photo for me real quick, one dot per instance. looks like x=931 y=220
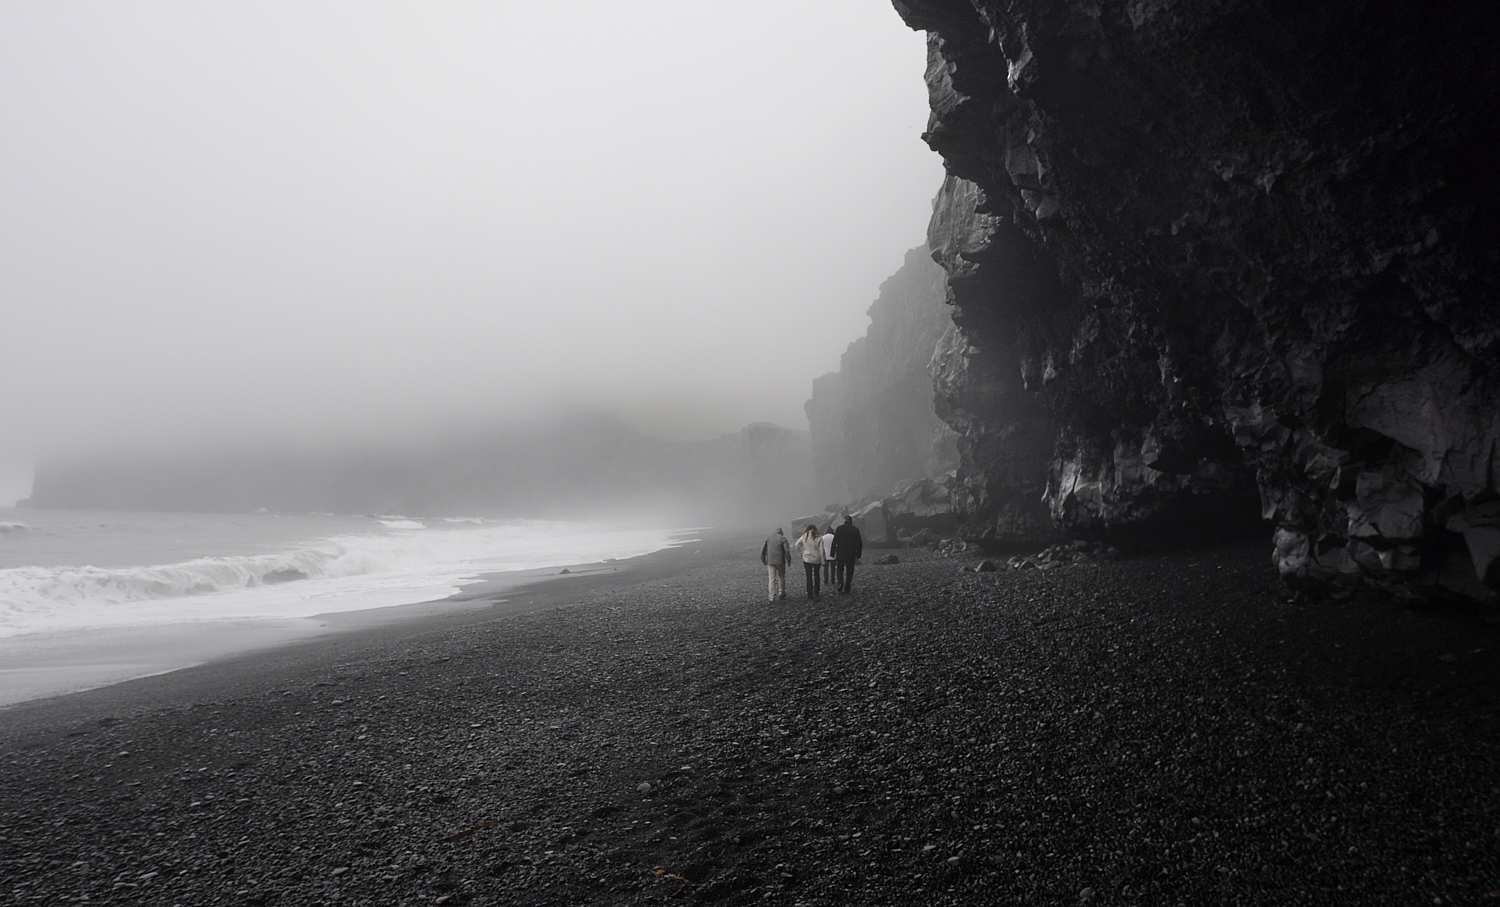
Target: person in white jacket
x=810 y=546
x=828 y=555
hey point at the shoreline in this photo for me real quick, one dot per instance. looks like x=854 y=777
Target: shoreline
x=1161 y=729
x=48 y=664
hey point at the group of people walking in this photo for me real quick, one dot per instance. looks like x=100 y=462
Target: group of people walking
x=826 y=556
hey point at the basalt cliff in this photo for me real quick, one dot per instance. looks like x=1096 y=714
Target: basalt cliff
x=871 y=423
x=1226 y=257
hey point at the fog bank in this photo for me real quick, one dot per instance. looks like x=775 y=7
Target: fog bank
x=281 y=223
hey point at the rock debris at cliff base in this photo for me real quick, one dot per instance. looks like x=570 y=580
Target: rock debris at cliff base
x=1154 y=730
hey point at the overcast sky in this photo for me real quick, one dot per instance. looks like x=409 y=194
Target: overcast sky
x=229 y=220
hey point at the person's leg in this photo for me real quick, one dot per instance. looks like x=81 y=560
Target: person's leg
x=817 y=579
x=781 y=581
x=771 y=582
x=849 y=576
x=838 y=574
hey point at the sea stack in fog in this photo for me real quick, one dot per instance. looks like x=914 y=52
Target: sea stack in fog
x=1225 y=261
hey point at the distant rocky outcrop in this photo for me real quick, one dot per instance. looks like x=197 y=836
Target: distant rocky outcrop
x=576 y=466
x=1226 y=258
x=872 y=424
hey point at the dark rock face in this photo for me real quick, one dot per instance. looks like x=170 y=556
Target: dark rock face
x=1203 y=250
x=871 y=423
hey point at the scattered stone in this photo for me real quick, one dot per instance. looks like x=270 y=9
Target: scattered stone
x=831 y=747
x=949 y=547
x=924 y=538
x=1078 y=551
x=887 y=560
x=985 y=567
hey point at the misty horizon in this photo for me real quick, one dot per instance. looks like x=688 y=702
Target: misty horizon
x=567 y=466
x=277 y=226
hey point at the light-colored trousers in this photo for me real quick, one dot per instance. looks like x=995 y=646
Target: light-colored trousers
x=775 y=580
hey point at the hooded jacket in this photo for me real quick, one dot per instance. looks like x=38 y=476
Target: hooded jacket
x=775 y=552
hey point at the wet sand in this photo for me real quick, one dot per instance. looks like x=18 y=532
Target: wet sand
x=41 y=665
x=1158 y=730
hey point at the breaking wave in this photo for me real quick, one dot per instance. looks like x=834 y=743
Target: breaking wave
x=402 y=523
x=421 y=562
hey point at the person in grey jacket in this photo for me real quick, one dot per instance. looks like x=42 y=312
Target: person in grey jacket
x=775 y=554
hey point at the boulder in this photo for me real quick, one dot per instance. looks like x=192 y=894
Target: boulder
x=871 y=522
x=821 y=520
x=925 y=504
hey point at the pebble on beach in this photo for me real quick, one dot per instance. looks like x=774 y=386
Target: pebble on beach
x=1154 y=730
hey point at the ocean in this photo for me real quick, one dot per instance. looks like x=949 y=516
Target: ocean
x=64 y=570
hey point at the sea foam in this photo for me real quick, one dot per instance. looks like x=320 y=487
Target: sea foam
x=407 y=562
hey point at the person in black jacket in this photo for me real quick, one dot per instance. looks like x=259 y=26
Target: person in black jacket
x=848 y=545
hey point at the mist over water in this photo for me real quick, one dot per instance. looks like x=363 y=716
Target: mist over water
x=561 y=467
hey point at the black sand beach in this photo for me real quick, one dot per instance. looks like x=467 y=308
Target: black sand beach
x=1157 y=730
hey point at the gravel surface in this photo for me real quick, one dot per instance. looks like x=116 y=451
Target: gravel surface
x=1154 y=730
